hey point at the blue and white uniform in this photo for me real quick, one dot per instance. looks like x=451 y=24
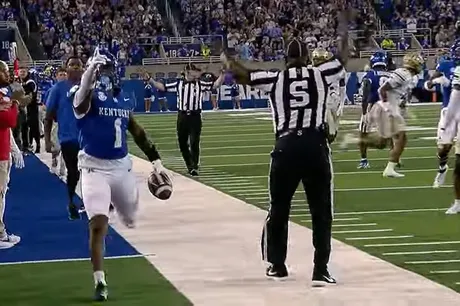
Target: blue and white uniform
x=104 y=162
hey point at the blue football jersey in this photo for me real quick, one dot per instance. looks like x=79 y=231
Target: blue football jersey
x=45 y=87
x=102 y=131
x=377 y=79
x=447 y=69
x=234 y=90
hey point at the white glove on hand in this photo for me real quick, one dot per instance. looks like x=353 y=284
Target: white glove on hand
x=159 y=168
x=18 y=159
x=97 y=59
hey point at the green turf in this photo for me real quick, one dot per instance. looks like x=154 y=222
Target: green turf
x=131 y=282
x=237 y=145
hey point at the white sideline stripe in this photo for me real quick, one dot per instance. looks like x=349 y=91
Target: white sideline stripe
x=71 y=259
x=411 y=244
x=354 y=225
x=337 y=219
x=420 y=252
x=445 y=272
x=335 y=161
x=377 y=212
x=363 y=231
x=355 y=189
x=240 y=183
x=379 y=237
x=268 y=153
x=427 y=262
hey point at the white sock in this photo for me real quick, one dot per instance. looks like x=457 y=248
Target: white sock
x=457 y=202
x=391 y=165
x=99 y=277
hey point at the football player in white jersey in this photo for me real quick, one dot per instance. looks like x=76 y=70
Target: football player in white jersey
x=386 y=114
x=450 y=130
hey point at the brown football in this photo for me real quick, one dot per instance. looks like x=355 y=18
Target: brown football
x=160 y=185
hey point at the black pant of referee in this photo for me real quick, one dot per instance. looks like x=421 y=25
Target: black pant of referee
x=299 y=156
x=188 y=134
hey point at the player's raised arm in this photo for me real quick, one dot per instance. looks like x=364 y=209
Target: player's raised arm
x=342 y=31
x=82 y=93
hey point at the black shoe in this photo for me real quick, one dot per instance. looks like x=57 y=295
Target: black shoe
x=37 y=150
x=193 y=172
x=322 y=278
x=73 y=212
x=277 y=271
x=101 y=293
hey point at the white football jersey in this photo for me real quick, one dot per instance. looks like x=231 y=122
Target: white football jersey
x=456 y=76
x=401 y=81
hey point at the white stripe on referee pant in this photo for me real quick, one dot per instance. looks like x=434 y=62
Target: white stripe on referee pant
x=265 y=240
x=331 y=166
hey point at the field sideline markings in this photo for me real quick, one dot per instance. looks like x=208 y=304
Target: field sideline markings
x=72 y=259
x=420 y=252
x=445 y=272
x=354 y=225
x=334 y=161
x=428 y=262
x=378 y=212
x=363 y=231
x=379 y=237
x=335 y=220
x=411 y=244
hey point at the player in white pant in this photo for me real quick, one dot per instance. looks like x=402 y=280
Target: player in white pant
x=448 y=131
x=386 y=114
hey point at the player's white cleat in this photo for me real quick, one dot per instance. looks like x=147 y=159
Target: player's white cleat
x=9 y=241
x=391 y=172
x=440 y=178
x=454 y=209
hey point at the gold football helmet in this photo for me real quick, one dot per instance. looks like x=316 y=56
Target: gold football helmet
x=413 y=61
x=319 y=56
x=4 y=67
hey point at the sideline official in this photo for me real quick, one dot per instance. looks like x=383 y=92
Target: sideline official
x=190 y=90
x=298 y=96
x=30 y=128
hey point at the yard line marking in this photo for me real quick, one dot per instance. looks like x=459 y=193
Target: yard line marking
x=354 y=225
x=363 y=231
x=457 y=283
x=335 y=161
x=256 y=192
x=378 y=212
x=335 y=220
x=427 y=262
x=445 y=272
x=411 y=244
x=237 y=189
x=72 y=259
x=420 y=252
x=379 y=237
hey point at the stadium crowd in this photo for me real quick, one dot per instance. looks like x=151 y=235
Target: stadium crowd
x=70 y=27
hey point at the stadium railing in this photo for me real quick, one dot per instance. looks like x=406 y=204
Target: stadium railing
x=181 y=60
x=399 y=53
x=36 y=64
x=22 y=51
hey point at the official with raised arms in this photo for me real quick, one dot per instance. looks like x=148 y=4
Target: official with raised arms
x=298 y=96
x=190 y=91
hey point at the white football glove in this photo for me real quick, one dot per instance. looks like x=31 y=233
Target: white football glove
x=97 y=59
x=158 y=167
x=18 y=159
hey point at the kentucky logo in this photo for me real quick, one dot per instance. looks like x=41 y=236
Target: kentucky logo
x=101 y=96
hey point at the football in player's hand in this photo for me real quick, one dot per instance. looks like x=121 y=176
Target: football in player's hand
x=160 y=185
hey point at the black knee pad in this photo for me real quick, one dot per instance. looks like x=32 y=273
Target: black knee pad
x=457 y=165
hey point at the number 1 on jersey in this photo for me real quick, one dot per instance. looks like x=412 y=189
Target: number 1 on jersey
x=118 y=141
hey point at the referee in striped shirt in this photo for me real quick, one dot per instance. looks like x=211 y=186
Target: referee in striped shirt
x=190 y=91
x=301 y=153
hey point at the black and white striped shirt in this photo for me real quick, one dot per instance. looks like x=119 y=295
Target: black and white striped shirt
x=189 y=93
x=298 y=94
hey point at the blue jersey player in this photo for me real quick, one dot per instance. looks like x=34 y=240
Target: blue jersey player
x=373 y=79
x=235 y=94
x=444 y=76
x=104 y=115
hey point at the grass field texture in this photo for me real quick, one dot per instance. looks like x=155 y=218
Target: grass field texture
x=398 y=220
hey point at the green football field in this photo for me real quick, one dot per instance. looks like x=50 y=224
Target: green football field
x=399 y=220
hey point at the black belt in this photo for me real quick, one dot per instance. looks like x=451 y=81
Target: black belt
x=190 y=112
x=300 y=132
